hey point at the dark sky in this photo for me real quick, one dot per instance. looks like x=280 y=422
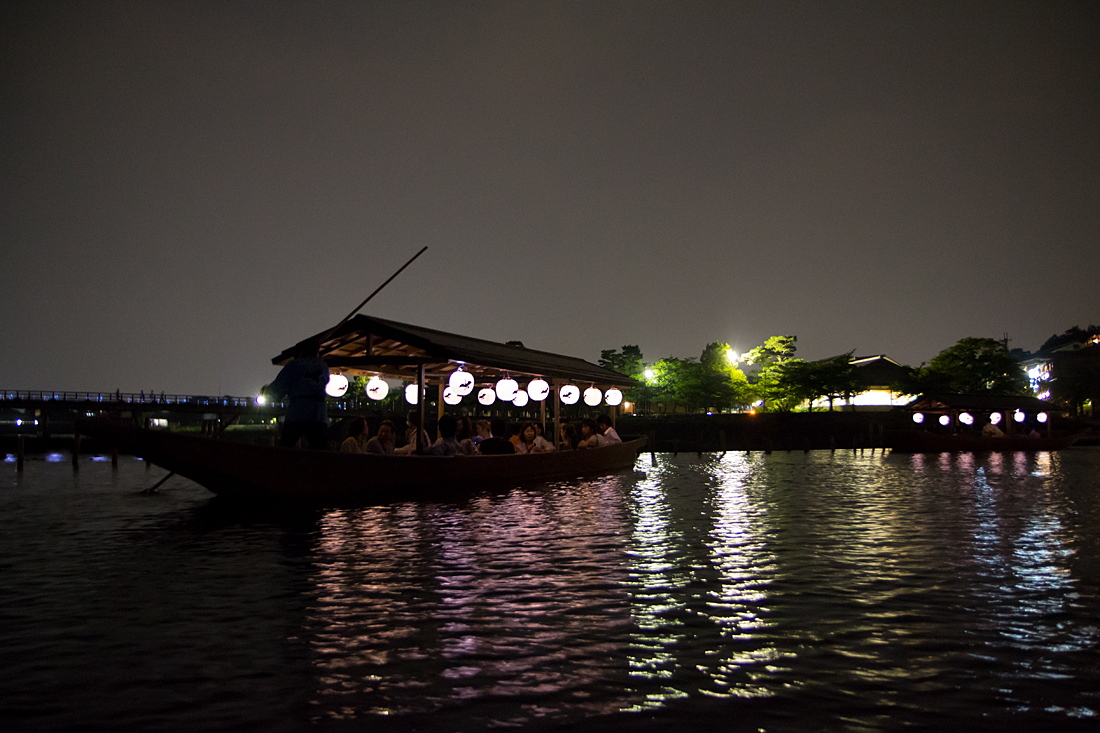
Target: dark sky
x=188 y=188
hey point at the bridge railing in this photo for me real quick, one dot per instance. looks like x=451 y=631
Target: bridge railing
x=125 y=398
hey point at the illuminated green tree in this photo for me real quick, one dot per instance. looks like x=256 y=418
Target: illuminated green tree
x=769 y=359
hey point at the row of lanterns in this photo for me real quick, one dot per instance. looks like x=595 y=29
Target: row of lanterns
x=462 y=383
x=967 y=419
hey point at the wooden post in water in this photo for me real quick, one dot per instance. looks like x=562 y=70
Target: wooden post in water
x=114 y=456
x=722 y=440
x=19 y=450
x=653 y=447
x=76 y=450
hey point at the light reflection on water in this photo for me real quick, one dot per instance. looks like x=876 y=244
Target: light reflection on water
x=854 y=591
x=724 y=577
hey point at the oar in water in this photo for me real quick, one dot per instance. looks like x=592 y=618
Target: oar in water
x=153 y=489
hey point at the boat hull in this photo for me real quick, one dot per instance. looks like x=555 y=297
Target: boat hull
x=920 y=441
x=256 y=472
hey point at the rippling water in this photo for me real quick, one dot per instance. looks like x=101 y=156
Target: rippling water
x=819 y=591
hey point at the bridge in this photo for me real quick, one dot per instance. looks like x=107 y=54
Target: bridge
x=42 y=413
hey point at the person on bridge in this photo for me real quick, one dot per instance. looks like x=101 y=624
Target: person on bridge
x=303 y=382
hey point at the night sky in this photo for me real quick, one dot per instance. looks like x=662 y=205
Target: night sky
x=189 y=188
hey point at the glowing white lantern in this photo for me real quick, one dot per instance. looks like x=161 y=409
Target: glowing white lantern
x=966 y=418
x=337 y=385
x=592 y=396
x=451 y=397
x=520 y=400
x=1041 y=417
x=461 y=383
x=412 y=393
x=918 y=417
x=569 y=394
x=506 y=389
x=1018 y=416
x=994 y=417
x=377 y=389
x=486 y=396
x=613 y=397
x=538 y=389
x=945 y=420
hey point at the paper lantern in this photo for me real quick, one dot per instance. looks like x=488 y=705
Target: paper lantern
x=506 y=389
x=337 y=385
x=412 y=393
x=1041 y=417
x=486 y=396
x=994 y=417
x=377 y=389
x=613 y=397
x=538 y=389
x=569 y=394
x=592 y=396
x=918 y=417
x=966 y=418
x=451 y=397
x=520 y=400
x=945 y=420
x=1018 y=416
x=462 y=383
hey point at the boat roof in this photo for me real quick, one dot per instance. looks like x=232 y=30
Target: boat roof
x=367 y=345
x=982 y=402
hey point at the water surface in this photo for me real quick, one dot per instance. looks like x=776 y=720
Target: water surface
x=825 y=591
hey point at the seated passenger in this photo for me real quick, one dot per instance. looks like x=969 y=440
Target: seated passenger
x=414 y=435
x=514 y=439
x=608 y=436
x=567 y=436
x=483 y=432
x=532 y=443
x=465 y=436
x=358 y=433
x=590 y=434
x=446 y=444
x=495 y=444
x=992 y=431
x=382 y=444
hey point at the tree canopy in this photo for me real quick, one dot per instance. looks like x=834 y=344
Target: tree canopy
x=971 y=366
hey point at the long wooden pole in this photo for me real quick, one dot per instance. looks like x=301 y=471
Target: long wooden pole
x=368 y=298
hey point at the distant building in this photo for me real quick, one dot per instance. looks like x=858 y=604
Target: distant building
x=1069 y=374
x=879 y=374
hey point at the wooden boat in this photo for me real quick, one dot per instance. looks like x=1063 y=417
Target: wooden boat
x=970 y=412
x=924 y=441
x=256 y=472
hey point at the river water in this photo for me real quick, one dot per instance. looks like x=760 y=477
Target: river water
x=791 y=591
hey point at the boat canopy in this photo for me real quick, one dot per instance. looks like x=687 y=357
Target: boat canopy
x=366 y=345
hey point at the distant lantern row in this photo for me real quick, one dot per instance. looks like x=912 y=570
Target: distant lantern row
x=462 y=383
x=967 y=419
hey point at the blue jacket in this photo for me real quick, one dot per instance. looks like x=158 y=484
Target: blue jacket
x=303 y=382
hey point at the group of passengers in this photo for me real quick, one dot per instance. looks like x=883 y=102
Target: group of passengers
x=458 y=436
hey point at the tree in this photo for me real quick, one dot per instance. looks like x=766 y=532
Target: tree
x=837 y=379
x=1072 y=336
x=628 y=361
x=769 y=357
x=971 y=366
x=720 y=382
x=802 y=381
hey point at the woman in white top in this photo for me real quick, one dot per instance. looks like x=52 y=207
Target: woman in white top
x=529 y=442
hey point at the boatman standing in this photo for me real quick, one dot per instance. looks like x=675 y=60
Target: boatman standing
x=303 y=383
